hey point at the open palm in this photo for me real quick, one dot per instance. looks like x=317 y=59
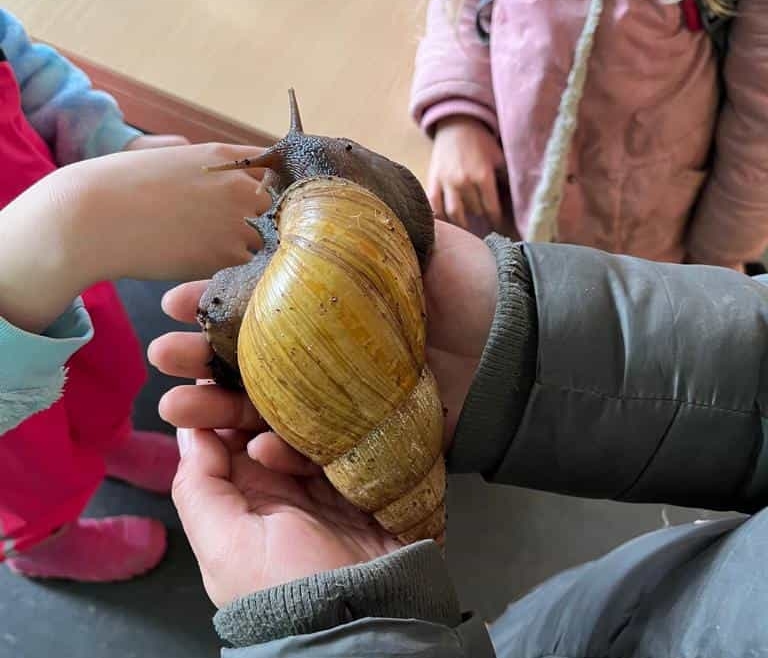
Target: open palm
x=253 y=527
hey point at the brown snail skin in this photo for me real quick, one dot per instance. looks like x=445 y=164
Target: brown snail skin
x=326 y=327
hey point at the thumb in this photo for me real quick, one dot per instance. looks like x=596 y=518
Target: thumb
x=205 y=498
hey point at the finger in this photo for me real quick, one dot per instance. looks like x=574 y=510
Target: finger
x=263 y=200
x=470 y=197
x=454 y=209
x=254 y=173
x=209 y=407
x=159 y=141
x=181 y=302
x=235 y=440
x=275 y=454
x=436 y=199
x=207 y=502
x=252 y=195
x=489 y=197
x=181 y=354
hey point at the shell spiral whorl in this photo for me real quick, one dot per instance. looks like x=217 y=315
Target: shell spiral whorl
x=332 y=353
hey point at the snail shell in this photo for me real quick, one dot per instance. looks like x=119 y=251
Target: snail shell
x=331 y=352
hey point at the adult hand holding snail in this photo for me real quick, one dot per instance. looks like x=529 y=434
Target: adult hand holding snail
x=264 y=515
x=325 y=329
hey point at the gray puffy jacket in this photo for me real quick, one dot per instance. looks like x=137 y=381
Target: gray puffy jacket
x=604 y=376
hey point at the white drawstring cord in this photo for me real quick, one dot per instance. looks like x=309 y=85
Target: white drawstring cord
x=542 y=226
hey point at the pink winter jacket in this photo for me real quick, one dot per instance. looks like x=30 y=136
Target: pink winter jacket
x=638 y=179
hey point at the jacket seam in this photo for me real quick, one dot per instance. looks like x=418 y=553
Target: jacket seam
x=749 y=476
x=649 y=398
x=628 y=489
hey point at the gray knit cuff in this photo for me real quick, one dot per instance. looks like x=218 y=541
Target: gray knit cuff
x=499 y=393
x=412 y=583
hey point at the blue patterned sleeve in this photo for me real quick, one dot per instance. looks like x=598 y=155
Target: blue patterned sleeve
x=75 y=120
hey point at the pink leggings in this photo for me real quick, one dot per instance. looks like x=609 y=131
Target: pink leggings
x=53 y=462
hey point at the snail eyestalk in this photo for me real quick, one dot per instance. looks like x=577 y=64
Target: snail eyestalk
x=296 y=126
x=271 y=158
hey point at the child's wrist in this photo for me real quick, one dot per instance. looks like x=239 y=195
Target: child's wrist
x=33 y=291
x=461 y=121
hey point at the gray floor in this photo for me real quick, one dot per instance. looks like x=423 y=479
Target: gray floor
x=502 y=541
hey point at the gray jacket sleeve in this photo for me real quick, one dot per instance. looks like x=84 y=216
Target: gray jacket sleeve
x=649 y=381
x=603 y=376
x=379 y=638
x=401 y=604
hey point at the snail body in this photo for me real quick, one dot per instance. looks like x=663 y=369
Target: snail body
x=326 y=328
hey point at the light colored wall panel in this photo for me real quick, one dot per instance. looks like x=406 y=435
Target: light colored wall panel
x=350 y=61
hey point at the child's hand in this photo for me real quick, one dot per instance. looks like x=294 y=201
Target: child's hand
x=149 y=214
x=462 y=176
x=158 y=215
x=155 y=142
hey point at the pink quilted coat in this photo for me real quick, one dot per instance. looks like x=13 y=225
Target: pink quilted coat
x=640 y=177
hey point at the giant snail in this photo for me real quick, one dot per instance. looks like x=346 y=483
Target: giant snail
x=325 y=328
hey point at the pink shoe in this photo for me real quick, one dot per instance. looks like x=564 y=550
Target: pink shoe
x=147 y=460
x=96 y=551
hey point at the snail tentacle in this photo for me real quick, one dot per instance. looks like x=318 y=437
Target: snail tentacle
x=296 y=126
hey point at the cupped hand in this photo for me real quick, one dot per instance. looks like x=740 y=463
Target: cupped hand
x=263 y=518
x=256 y=512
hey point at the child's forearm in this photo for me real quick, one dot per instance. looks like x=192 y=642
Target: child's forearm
x=40 y=270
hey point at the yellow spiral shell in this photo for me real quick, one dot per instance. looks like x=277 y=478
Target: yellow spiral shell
x=332 y=354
